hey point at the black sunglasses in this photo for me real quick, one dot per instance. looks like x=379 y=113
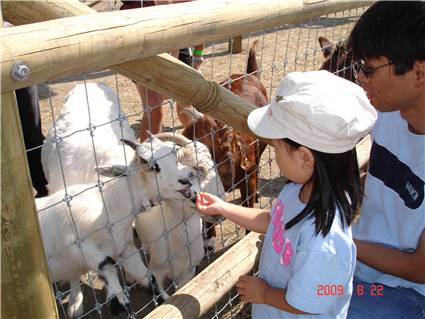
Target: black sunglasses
x=365 y=69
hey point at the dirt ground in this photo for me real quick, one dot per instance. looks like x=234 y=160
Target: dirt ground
x=281 y=50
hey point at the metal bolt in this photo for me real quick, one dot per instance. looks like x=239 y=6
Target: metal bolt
x=20 y=71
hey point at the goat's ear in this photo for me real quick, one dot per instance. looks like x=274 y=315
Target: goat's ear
x=326 y=46
x=112 y=171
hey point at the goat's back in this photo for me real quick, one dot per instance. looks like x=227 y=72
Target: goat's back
x=90 y=109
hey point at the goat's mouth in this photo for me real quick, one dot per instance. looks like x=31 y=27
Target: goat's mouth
x=186 y=192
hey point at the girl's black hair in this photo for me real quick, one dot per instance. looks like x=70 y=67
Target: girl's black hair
x=393 y=29
x=336 y=184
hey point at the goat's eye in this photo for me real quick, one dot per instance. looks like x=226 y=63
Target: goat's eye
x=191 y=174
x=184 y=181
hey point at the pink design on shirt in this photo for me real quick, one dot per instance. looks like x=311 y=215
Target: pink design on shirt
x=286 y=257
x=277 y=236
x=279 y=242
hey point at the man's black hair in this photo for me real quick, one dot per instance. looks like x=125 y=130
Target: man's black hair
x=393 y=29
x=336 y=185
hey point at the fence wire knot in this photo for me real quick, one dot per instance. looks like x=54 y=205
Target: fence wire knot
x=57 y=139
x=91 y=128
x=100 y=185
x=59 y=295
x=67 y=199
x=98 y=308
x=78 y=242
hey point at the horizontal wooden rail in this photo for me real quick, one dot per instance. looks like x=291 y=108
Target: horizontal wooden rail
x=167 y=75
x=73 y=45
x=206 y=289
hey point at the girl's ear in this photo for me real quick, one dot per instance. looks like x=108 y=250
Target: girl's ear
x=307 y=157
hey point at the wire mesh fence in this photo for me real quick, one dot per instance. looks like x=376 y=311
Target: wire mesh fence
x=172 y=247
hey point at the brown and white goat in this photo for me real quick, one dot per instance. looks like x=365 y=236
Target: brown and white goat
x=236 y=154
x=338 y=58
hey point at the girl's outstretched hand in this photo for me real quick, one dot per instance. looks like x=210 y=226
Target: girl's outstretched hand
x=252 y=289
x=208 y=204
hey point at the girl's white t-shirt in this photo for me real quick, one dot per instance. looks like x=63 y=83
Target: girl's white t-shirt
x=316 y=271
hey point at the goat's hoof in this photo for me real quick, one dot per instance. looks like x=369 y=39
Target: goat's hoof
x=117 y=308
x=163 y=296
x=210 y=246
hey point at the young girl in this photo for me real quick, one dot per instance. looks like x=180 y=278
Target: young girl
x=308 y=255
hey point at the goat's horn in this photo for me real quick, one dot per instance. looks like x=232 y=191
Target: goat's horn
x=194 y=113
x=179 y=139
x=132 y=144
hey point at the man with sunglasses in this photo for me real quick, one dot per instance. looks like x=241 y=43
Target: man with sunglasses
x=388 y=43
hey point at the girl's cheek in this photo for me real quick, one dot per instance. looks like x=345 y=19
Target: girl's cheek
x=281 y=167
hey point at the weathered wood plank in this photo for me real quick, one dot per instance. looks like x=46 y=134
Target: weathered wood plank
x=73 y=45
x=207 y=288
x=25 y=285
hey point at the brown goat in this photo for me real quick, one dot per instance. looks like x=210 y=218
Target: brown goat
x=236 y=154
x=338 y=58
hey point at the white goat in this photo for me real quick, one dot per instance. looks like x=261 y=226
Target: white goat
x=97 y=227
x=175 y=244
x=71 y=136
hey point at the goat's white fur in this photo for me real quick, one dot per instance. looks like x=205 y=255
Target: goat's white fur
x=179 y=219
x=88 y=209
x=76 y=151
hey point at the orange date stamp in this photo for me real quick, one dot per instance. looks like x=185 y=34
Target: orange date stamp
x=375 y=290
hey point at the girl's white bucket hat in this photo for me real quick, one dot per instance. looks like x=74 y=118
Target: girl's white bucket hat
x=316 y=109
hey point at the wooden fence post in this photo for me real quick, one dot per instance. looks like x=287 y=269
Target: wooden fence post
x=25 y=285
x=235 y=44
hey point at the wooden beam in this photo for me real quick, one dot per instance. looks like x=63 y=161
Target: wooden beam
x=74 y=45
x=18 y=12
x=235 y=44
x=171 y=77
x=207 y=288
x=25 y=284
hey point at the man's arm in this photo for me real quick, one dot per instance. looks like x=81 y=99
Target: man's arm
x=409 y=266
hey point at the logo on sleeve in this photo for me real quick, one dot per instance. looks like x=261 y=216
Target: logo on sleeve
x=396 y=175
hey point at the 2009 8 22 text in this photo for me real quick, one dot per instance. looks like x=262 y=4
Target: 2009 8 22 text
x=376 y=290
